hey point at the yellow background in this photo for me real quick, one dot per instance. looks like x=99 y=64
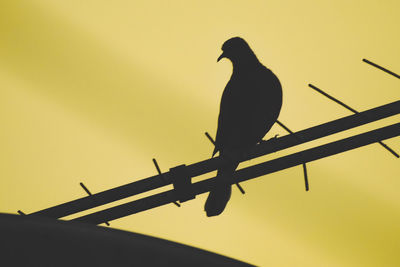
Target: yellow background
x=91 y=91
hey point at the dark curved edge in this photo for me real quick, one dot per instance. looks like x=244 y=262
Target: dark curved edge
x=34 y=241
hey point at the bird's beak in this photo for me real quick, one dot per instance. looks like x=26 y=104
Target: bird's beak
x=221 y=56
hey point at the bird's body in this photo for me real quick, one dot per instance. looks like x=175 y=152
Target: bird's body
x=250 y=105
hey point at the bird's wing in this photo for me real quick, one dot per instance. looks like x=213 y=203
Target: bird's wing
x=250 y=106
x=229 y=116
x=266 y=105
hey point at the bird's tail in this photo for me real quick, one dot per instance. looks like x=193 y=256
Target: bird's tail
x=220 y=195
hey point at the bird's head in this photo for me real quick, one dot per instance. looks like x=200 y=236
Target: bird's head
x=236 y=49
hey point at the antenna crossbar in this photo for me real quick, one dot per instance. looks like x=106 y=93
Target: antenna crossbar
x=209 y=165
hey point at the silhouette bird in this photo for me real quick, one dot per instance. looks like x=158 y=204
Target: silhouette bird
x=250 y=105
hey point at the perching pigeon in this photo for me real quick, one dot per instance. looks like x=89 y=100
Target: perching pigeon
x=250 y=105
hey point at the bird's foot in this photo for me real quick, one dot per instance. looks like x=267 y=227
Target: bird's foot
x=269 y=140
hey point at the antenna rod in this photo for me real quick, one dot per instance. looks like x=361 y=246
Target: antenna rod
x=20 y=212
x=333 y=99
x=354 y=111
x=88 y=192
x=85 y=188
x=304 y=165
x=381 y=68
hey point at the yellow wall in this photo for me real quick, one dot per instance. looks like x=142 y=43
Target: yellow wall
x=92 y=90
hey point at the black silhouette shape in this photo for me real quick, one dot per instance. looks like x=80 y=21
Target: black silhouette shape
x=38 y=241
x=250 y=105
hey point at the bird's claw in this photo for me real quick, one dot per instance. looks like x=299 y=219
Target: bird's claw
x=269 y=140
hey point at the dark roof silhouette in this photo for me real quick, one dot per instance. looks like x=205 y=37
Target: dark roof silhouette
x=38 y=241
